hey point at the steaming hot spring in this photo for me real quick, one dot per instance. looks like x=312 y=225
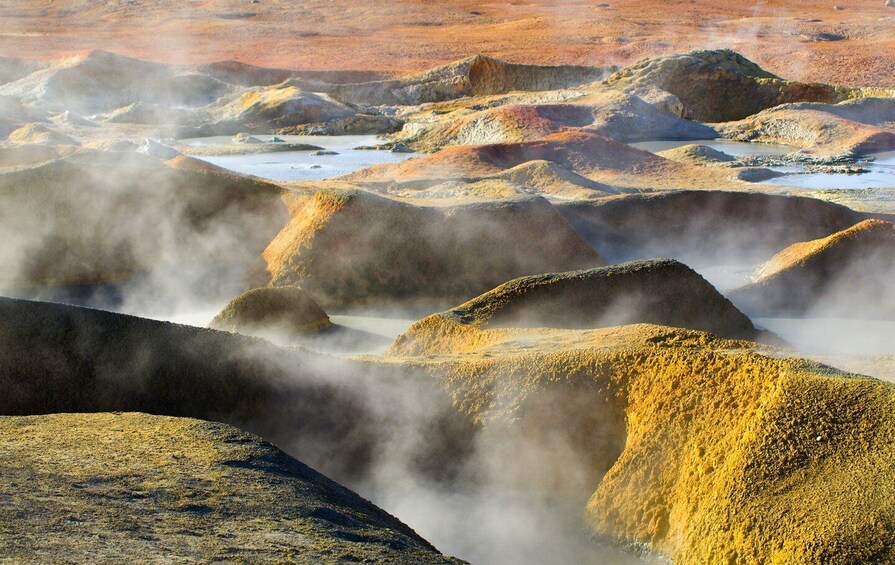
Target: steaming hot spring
x=322 y=285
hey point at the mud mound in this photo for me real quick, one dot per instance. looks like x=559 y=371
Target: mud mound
x=546 y=177
x=281 y=310
x=155 y=114
x=703 y=226
x=351 y=247
x=872 y=111
x=696 y=447
x=578 y=151
x=39 y=134
x=695 y=153
x=816 y=131
x=78 y=476
x=615 y=115
x=20 y=155
x=848 y=274
x=721 y=85
x=119 y=214
x=56 y=358
x=504 y=124
x=102 y=81
x=477 y=75
x=543 y=178
x=658 y=291
x=263 y=109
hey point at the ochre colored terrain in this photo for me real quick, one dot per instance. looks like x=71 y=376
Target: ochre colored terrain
x=802 y=40
x=700 y=449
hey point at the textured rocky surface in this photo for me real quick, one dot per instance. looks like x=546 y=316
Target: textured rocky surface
x=107 y=487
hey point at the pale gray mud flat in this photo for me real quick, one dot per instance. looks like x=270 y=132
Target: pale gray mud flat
x=303 y=165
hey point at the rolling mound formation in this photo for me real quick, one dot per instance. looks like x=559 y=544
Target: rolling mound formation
x=118 y=214
x=83 y=484
x=263 y=109
x=582 y=152
x=615 y=115
x=478 y=75
x=721 y=85
x=698 y=448
x=100 y=82
x=657 y=291
x=56 y=358
x=818 y=132
x=695 y=153
x=847 y=273
x=699 y=226
x=347 y=247
x=281 y=310
x=39 y=134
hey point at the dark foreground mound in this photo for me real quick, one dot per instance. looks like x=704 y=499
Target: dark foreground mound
x=56 y=358
x=284 y=310
x=136 y=487
x=700 y=226
x=659 y=291
x=848 y=274
x=351 y=247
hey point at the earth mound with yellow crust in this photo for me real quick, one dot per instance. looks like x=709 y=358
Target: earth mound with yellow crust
x=132 y=486
x=847 y=273
x=284 y=310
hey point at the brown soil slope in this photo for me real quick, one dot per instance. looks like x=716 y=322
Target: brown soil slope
x=283 y=309
x=848 y=273
x=698 y=448
x=658 y=291
x=348 y=247
x=82 y=484
x=703 y=226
